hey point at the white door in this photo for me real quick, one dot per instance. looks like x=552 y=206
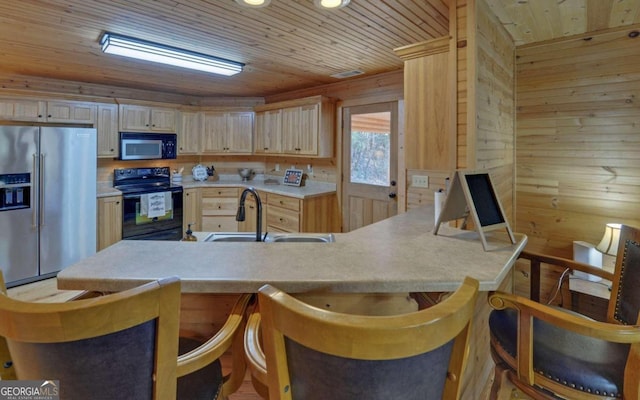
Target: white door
x=370 y=164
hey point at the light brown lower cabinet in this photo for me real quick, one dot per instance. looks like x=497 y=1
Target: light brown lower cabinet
x=290 y=214
x=218 y=208
x=214 y=210
x=109 y=228
x=191 y=210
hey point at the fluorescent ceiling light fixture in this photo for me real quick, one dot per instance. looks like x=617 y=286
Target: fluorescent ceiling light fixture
x=332 y=4
x=143 y=50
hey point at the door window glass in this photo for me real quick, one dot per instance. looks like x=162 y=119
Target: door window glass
x=370 y=148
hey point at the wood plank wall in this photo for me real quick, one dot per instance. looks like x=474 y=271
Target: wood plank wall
x=485 y=105
x=462 y=47
x=494 y=103
x=577 y=138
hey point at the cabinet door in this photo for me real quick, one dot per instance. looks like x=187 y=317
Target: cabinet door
x=63 y=111
x=215 y=133
x=109 y=221
x=22 y=110
x=309 y=130
x=107 y=127
x=134 y=118
x=239 y=132
x=163 y=120
x=189 y=133
x=290 y=129
x=268 y=132
x=191 y=207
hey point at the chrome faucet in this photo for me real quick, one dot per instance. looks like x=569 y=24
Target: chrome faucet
x=240 y=214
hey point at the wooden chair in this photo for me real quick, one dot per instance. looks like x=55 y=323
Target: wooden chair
x=549 y=353
x=311 y=353
x=119 y=346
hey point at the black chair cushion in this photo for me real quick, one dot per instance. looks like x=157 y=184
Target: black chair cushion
x=628 y=303
x=577 y=361
x=205 y=383
x=114 y=366
x=320 y=376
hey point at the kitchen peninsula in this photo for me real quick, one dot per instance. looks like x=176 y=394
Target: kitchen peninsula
x=397 y=255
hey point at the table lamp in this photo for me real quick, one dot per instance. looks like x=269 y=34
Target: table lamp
x=593 y=255
x=609 y=243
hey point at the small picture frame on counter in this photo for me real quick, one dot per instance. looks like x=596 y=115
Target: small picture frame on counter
x=292 y=177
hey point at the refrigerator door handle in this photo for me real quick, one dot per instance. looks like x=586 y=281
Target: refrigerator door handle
x=33 y=208
x=42 y=190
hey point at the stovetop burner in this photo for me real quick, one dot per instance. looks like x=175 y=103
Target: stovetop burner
x=143 y=180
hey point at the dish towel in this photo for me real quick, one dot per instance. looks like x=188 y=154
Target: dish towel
x=155 y=204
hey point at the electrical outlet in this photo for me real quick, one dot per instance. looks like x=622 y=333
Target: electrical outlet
x=421 y=181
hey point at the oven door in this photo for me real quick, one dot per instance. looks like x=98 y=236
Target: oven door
x=153 y=216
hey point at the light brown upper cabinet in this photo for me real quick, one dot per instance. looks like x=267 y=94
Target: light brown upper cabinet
x=47 y=111
x=430 y=140
x=189 y=132
x=134 y=118
x=306 y=127
x=21 y=110
x=73 y=112
x=268 y=137
x=107 y=127
x=227 y=132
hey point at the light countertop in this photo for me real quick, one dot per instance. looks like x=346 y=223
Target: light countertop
x=399 y=254
x=311 y=188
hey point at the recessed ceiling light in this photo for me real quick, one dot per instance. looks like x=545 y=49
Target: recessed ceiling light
x=253 y=3
x=331 y=4
x=347 y=74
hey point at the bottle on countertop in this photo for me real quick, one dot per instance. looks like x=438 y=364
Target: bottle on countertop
x=189 y=235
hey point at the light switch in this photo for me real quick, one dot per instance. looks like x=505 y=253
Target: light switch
x=421 y=181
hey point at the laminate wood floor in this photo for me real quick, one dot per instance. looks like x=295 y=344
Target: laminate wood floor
x=47 y=291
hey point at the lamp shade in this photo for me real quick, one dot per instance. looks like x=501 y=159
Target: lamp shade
x=609 y=243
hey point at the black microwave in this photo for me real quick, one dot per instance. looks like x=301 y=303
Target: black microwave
x=147 y=146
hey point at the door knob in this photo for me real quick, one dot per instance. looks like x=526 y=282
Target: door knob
x=392 y=195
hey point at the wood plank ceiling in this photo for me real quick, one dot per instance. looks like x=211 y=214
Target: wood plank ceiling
x=286 y=46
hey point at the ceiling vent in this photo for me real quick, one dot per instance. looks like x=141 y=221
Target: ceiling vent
x=347 y=74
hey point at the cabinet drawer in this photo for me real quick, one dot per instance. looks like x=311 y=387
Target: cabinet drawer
x=219 y=224
x=219 y=206
x=283 y=219
x=287 y=202
x=220 y=192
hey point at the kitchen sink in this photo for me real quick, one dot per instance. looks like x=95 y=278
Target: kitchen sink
x=231 y=237
x=301 y=238
x=271 y=237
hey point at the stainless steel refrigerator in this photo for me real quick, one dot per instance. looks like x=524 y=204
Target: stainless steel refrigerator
x=48 y=200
